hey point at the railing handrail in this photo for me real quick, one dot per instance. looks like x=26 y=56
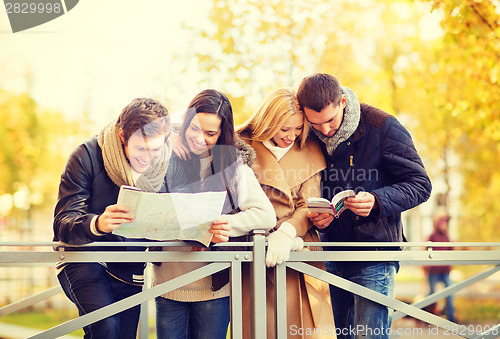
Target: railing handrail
x=481 y=253
x=316 y=244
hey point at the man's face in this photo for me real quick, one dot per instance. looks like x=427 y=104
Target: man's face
x=141 y=151
x=330 y=118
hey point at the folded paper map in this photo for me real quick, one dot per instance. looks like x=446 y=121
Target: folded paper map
x=170 y=216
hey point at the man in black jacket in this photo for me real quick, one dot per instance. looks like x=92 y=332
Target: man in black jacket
x=370 y=152
x=132 y=150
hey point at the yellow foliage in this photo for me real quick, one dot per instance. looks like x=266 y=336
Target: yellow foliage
x=445 y=90
x=35 y=146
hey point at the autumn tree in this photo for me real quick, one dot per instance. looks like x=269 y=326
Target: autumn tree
x=35 y=143
x=251 y=47
x=444 y=89
x=456 y=84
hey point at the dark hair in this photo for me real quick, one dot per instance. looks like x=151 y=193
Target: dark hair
x=214 y=102
x=318 y=91
x=144 y=114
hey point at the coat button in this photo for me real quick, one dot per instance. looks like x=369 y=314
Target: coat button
x=348 y=143
x=331 y=165
x=358 y=217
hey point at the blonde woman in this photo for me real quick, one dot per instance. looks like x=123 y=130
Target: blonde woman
x=288 y=167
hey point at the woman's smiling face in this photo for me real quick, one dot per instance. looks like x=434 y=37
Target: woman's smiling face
x=203 y=132
x=292 y=128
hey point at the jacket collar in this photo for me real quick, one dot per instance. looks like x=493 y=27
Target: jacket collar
x=360 y=131
x=246 y=151
x=294 y=168
x=268 y=170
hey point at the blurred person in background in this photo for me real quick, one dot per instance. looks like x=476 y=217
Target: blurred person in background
x=437 y=274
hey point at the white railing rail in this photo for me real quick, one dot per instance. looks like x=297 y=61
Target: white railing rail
x=422 y=253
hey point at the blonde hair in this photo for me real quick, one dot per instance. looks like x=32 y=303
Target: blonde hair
x=271 y=115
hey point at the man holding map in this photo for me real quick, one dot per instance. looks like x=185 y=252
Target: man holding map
x=132 y=150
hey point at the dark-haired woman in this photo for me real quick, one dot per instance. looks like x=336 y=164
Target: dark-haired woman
x=217 y=163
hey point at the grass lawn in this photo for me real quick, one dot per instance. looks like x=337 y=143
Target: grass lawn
x=42 y=321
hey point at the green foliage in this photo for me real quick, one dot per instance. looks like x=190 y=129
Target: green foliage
x=479 y=310
x=19 y=135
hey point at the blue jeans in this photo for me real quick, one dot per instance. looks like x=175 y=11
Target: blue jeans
x=90 y=287
x=192 y=320
x=434 y=278
x=355 y=316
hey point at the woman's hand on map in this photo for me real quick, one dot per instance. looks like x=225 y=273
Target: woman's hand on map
x=220 y=229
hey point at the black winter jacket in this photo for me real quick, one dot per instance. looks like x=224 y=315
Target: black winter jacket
x=379 y=158
x=85 y=191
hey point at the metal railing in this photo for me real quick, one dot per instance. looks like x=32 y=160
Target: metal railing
x=476 y=254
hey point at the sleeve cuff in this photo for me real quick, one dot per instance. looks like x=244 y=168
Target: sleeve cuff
x=377 y=212
x=288 y=229
x=93 y=227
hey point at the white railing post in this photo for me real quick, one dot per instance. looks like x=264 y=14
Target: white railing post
x=143 y=332
x=258 y=286
x=236 y=301
x=280 y=308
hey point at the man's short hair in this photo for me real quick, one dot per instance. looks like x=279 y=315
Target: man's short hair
x=146 y=114
x=318 y=91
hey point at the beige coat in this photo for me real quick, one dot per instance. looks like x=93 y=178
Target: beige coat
x=288 y=183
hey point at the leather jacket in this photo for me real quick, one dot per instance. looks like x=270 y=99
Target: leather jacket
x=85 y=191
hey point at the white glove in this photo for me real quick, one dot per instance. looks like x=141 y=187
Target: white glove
x=298 y=244
x=279 y=244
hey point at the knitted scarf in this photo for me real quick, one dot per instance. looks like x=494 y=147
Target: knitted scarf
x=352 y=114
x=118 y=166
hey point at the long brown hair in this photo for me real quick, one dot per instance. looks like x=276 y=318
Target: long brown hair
x=224 y=153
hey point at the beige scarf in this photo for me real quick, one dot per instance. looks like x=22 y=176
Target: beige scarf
x=118 y=167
